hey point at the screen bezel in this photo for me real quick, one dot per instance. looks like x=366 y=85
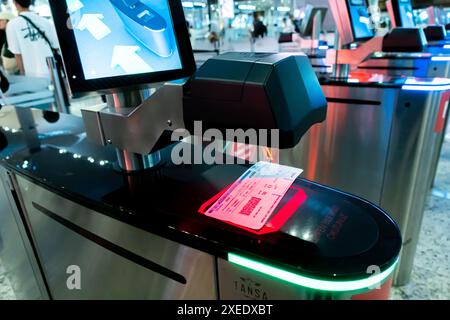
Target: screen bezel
x=74 y=68
x=352 y=25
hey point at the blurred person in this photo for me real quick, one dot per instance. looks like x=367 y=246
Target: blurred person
x=27 y=37
x=8 y=58
x=4 y=83
x=295 y=22
x=222 y=32
x=288 y=25
x=2 y=35
x=259 y=29
x=214 y=39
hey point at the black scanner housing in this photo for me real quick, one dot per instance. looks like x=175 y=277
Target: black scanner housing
x=435 y=33
x=256 y=91
x=405 y=40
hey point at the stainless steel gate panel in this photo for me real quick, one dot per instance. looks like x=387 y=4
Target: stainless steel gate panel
x=409 y=170
x=116 y=260
x=236 y=283
x=348 y=151
x=379 y=144
x=15 y=248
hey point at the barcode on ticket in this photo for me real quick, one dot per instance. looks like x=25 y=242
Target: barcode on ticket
x=250 y=206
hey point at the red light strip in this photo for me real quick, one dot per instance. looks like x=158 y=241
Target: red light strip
x=442 y=112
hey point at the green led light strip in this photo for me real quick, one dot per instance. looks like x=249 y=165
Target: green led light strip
x=304 y=281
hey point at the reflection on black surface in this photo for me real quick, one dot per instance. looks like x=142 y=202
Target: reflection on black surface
x=50 y=116
x=3 y=141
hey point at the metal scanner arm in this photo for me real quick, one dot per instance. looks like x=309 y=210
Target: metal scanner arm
x=136 y=126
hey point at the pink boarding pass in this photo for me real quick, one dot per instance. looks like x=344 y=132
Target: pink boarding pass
x=251 y=200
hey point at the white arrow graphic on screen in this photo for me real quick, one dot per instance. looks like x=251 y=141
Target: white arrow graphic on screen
x=94 y=24
x=127 y=58
x=74 y=5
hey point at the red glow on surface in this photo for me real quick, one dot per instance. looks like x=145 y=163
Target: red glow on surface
x=314 y=151
x=253 y=153
x=442 y=113
x=278 y=218
x=382 y=293
x=361 y=76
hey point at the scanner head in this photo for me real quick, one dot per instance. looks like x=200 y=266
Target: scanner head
x=256 y=91
x=405 y=40
x=435 y=33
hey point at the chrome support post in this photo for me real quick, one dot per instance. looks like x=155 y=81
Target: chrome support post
x=124 y=102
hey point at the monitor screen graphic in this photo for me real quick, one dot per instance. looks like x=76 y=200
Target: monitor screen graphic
x=124 y=37
x=361 y=21
x=406 y=14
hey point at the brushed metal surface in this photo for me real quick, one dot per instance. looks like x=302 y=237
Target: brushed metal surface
x=123 y=103
x=348 y=150
x=59 y=87
x=239 y=283
x=15 y=248
x=105 y=274
x=410 y=169
x=381 y=152
x=132 y=131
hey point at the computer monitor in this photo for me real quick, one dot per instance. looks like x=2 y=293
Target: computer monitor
x=401 y=13
x=306 y=27
x=352 y=19
x=109 y=44
x=360 y=19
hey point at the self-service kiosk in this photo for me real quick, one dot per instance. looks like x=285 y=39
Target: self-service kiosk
x=376 y=54
x=401 y=15
x=139 y=226
x=365 y=110
x=402 y=52
x=352 y=20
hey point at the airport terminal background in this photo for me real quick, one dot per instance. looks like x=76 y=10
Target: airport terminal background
x=213 y=30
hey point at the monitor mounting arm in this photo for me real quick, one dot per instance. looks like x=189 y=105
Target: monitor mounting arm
x=134 y=122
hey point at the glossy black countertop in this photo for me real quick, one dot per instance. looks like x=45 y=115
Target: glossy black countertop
x=331 y=235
